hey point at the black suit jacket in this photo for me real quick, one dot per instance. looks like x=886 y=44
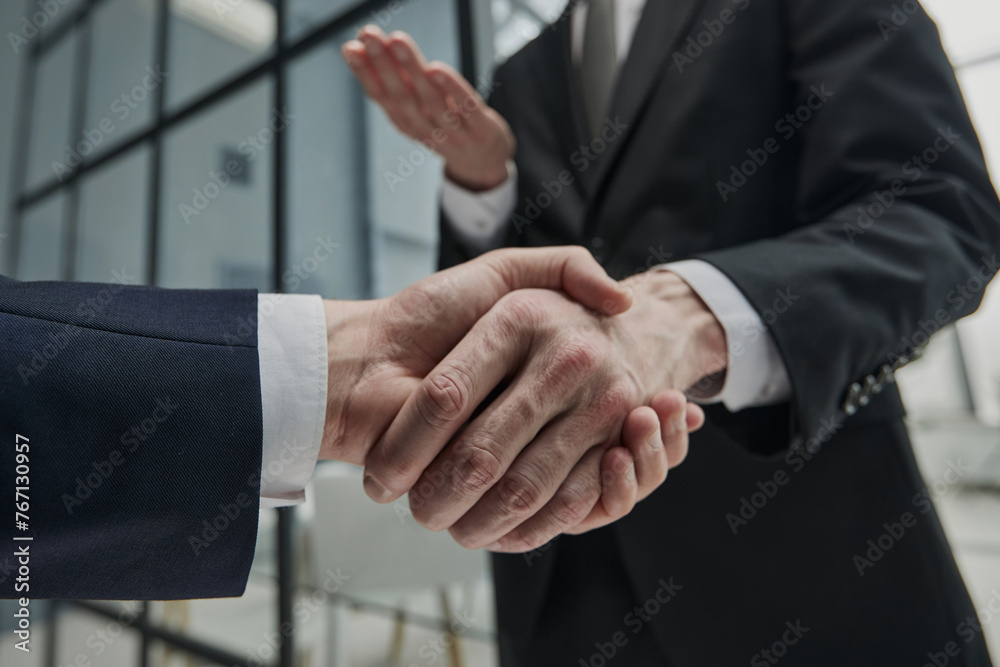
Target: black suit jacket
x=818 y=153
x=136 y=413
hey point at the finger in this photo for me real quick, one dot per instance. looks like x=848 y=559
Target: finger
x=619 y=491
x=461 y=295
x=354 y=54
x=569 y=268
x=469 y=106
x=447 y=397
x=376 y=48
x=695 y=417
x=619 y=483
x=546 y=385
x=400 y=102
x=440 y=405
x=411 y=60
x=572 y=503
x=642 y=435
x=672 y=409
x=483 y=516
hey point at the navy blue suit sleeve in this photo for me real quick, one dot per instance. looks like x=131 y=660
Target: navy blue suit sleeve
x=141 y=411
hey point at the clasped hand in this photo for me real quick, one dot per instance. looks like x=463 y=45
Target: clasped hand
x=511 y=396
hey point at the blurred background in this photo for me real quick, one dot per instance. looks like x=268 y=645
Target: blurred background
x=223 y=143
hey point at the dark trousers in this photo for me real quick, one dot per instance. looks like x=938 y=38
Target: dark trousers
x=588 y=574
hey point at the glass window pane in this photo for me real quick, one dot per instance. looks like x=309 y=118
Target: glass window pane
x=211 y=40
x=404 y=178
x=112 y=232
x=215 y=220
x=517 y=22
x=43 y=237
x=305 y=15
x=50 y=119
x=41 y=16
x=123 y=75
x=326 y=194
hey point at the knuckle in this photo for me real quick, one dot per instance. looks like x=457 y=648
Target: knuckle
x=517 y=310
x=614 y=400
x=444 y=396
x=526 y=410
x=571 y=505
x=518 y=494
x=575 y=357
x=476 y=470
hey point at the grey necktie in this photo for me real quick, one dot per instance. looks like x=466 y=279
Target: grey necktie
x=599 y=65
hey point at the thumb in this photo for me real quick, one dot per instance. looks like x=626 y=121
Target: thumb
x=568 y=268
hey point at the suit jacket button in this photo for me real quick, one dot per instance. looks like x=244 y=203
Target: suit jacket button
x=851 y=402
x=886 y=375
x=868 y=390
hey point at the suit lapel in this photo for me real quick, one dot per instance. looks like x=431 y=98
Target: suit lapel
x=662 y=25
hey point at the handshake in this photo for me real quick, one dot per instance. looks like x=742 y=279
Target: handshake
x=518 y=396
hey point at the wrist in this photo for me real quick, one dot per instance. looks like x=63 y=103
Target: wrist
x=682 y=322
x=485 y=177
x=348 y=324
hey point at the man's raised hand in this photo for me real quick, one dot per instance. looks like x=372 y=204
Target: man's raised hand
x=433 y=104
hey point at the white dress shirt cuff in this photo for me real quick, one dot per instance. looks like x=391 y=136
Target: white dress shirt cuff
x=756 y=373
x=291 y=344
x=477 y=218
